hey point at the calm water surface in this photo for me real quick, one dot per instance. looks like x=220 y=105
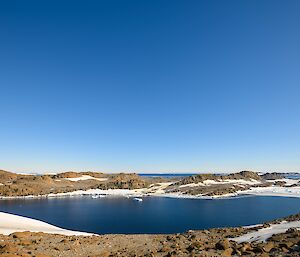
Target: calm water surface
x=153 y=215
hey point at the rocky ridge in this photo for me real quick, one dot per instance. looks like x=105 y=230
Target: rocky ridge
x=12 y=184
x=212 y=185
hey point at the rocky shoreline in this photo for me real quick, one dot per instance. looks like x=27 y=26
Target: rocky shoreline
x=207 y=243
x=20 y=185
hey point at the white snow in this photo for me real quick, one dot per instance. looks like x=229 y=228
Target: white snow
x=253 y=226
x=10 y=223
x=85 y=177
x=155 y=189
x=112 y=192
x=26 y=174
x=243 y=181
x=273 y=191
x=210 y=182
x=288 y=182
x=265 y=233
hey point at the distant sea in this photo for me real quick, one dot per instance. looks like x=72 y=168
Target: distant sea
x=292 y=176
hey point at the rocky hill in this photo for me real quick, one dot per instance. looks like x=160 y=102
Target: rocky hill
x=212 y=185
x=247 y=175
x=7 y=176
x=12 y=184
x=126 y=181
x=72 y=174
x=272 y=176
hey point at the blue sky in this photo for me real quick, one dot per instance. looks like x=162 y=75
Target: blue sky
x=150 y=86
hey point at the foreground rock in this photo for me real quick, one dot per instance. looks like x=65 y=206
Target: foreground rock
x=207 y=243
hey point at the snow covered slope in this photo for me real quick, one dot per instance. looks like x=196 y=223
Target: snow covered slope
x=265 y=233
x=10 y=223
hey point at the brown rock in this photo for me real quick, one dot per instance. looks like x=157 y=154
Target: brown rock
x=25 y=243
x=227 y=252
x=258 y=249
x=285 y=250
x=104 y=254
x=21 y=235
x=197 y=245
x=246 y=247
x=8 y=248
x=237 y=252
x=9 y=255
x=223 y=244
x=169 y=238
x=264 y=255
x=287 y=244
x=268 y=247
x=165 y=249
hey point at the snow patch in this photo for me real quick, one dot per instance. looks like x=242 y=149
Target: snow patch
x=288 y=182
x=265 y=233
x=10 y=223
x=274 y=191
x=210 y=182
x=86 y=177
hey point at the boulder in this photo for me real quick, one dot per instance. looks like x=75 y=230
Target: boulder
x=268 y=247
x=227 y=252
x=223 y=244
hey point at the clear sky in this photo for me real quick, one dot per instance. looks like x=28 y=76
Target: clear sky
x=150 y=86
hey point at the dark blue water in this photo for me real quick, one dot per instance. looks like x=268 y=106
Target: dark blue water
x=153 y=215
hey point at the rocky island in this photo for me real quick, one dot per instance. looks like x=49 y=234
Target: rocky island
x=196 y=186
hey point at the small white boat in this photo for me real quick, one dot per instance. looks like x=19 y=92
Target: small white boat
x=138 y=199
x=98 y=196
